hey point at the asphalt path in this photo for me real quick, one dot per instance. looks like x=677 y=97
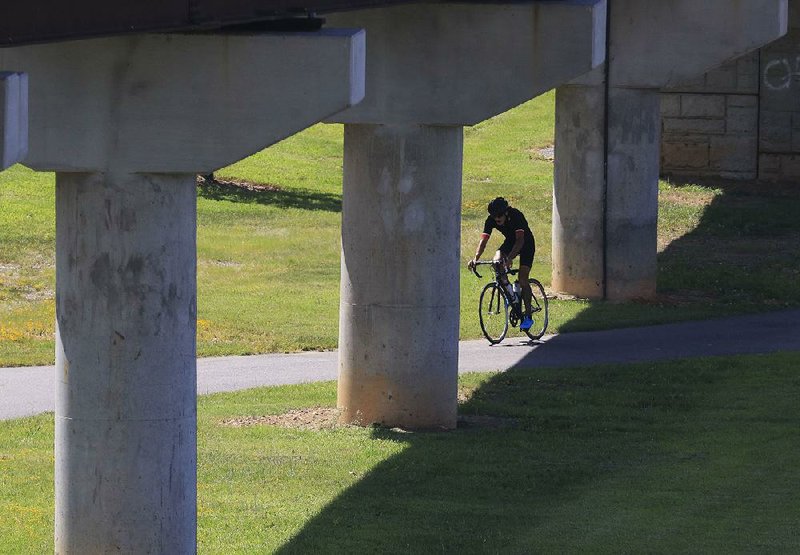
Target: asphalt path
x=28 y=391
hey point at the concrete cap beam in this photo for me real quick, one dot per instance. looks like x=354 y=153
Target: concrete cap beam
x=13 y=118
x=458 y=64
x=658 y=43
x=181 y=103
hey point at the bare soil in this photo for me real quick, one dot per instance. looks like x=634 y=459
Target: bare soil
x=314 y=418
x=327 y=418
x=238 y=184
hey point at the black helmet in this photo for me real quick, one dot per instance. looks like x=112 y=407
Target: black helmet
x=498 y=206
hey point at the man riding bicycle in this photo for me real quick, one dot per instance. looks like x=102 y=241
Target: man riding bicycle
x=518 y=241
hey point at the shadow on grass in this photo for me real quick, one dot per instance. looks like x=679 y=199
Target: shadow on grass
x=253 y=193
x=742 y=257
x=745 y=250
x=697 y=455
x=651 y=458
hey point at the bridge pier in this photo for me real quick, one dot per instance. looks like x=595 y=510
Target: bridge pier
x=125 y=469
x=605 y=209
x=399 y=313
x=400 y=262
x=606 y=234
x=127 y=123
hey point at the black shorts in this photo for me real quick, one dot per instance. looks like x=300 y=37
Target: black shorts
x=525 y=255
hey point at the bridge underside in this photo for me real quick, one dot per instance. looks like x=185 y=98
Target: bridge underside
x=39 y=21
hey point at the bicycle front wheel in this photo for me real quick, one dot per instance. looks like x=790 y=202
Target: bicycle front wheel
x=493 y=313
x=539 y=312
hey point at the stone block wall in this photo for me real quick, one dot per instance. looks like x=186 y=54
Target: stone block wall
x=739 y=121
x=779 y=141
x=710 y=126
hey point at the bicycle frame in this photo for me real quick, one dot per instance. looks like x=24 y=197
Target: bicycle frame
x=514 y=304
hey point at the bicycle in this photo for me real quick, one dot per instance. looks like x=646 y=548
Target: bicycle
x=501 y=305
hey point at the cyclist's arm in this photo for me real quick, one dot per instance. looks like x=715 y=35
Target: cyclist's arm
x=479 y=250
x=518 y=244
x=481 y=245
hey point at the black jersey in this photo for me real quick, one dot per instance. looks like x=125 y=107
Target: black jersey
x=515 y=220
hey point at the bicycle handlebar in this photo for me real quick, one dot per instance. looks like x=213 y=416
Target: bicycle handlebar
x=489 y=262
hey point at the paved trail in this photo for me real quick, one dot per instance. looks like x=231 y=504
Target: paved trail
x=26 y=391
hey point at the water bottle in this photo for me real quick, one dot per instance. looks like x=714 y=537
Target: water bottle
x=510 y=290
x=517 y=291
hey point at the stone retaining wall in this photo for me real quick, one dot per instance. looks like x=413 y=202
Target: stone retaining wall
x=740 y=121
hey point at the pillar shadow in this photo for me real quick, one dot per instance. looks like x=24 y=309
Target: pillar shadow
x=267 y=194
x=474 y=489
x=534 y=440
x=536 y=450
x=744 y=252
x=742 y=257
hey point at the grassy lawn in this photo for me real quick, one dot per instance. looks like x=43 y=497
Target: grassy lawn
x=692 y=456
x=268 y=256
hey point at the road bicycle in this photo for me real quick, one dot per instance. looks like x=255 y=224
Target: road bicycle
x=501 y=304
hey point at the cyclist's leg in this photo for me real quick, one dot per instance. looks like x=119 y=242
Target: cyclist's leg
x=524 y=273
x=500 y=257
x=525 y=263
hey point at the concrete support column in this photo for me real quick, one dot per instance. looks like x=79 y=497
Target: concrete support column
x=634 y=144
x=608 y=134
x=125 y=363
x=579 y=190
x=605 y=217
x=399 y=312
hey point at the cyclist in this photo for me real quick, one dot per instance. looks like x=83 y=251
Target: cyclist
x=518 y=241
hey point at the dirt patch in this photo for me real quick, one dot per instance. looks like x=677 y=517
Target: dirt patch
x=465 y=394
x=327 y=418
x=221 y=263
x=315 y=418
x=547 y=153
x=237 y=184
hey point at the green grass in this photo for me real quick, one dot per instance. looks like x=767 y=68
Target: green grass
x=268 y=260
x=691 y=456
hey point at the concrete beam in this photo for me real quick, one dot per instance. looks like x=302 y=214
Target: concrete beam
x=459 y=64
x=658 y=43
x=13 y=118
x=181 y=103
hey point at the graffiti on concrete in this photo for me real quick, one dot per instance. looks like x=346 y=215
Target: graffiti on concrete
x=780 y=73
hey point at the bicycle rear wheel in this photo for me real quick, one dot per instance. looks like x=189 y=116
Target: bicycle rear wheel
x=493 y=313
x=539 y=310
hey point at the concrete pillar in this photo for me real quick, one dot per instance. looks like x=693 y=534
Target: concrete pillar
x=126 y=299
x=431 y=69
x=606 y=236
x=126 y=123
x=399 y=313
x=13 y=118
x=605 y=207
x=634 y=139
x=579 y=190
